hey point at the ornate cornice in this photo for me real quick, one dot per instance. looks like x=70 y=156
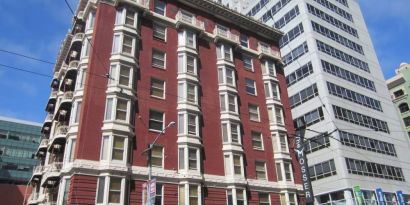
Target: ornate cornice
x=236 y=18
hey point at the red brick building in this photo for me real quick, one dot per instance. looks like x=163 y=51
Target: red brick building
x=130 y=68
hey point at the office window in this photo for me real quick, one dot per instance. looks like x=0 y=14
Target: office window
x=398 y=93
x=295 y=53
x=309 y=118
x=366 y=143
x=159 y=31
x=226 y=75
x=156 y=120
x=371 y=169
x=116 y=109
x=250 y=86
x=260 y=170
x=303 y=96
x=247 y=62
x=157 y=88
x=322 y=170
x=257 y=142
x=403 y=107
x=264 y=198
x=120 y=74
x=159 y=7
x=289 y=16
x=406 y=121
x=253 y=112
x=299 y=74
x=244 y=40
x=158 y=59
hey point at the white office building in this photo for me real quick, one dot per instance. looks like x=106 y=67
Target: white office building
x=335 y=83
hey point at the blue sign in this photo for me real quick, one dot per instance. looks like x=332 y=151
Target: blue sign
x=401 y=198
x=380 y=196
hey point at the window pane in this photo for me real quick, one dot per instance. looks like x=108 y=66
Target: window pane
x=157 y=88
x=181 y=158
x=115 y=190
x=118 y=148
x=181 y=195
x=100 y=192
x=125 y=75
x=108 y=109
x=156 y=120
x=121 y=109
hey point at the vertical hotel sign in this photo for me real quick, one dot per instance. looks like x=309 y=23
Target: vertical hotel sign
x=302 y=160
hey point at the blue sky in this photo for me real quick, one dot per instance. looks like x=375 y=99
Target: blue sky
x=37 y=27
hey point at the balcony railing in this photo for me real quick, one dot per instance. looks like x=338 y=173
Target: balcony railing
x=189 y=19
x=38 y=169
x=264 y=49
x=49 y=117
x=62 y=130
x=53 y=167
x=44 y=143
x=143 y=3
x=225 y=33
x=73 y=64
x=78 y=37
x=68 y=95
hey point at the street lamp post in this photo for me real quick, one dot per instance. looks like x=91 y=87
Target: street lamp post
x=149 y=150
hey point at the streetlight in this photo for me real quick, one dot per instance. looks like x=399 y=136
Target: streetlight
x=149 y=150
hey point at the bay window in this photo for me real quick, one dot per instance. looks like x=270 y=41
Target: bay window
x=124 y=44
x=187 y=38
x=188 y=158
x=236 y=196
x=231 y=132
x=120 y=74
x=188 y=123
x=111 y=190
x=189 y=194
x=117 y=109
x=126 y=17
x=233 y=164
x=271 y=90
x=187 y=92
x=187 y=64
x=228 y=102
x=268 y=68
x=224 y=51
x=114 y=148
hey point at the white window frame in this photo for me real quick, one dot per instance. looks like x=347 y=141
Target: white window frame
x=282 y=170
x=259 y=198
x=259 y=134
x=183 y=64
x=120 y=45
x=186 y=193
x=183 y=118
x=225 y=102
x=165 y=8
x=86 y=47
x=158 y=88
x=183 y=36
x=106 y=190
x=121 y=17
x=162 y=53
x=114 y=109
x=108 y=153
x=268 y=68
x=90 y=21
x=264 y=171
x=287 y=197
x=221 y=52
x=76 y=112
x=278 y=143
x=158 y=28
x=229 y=128
x=234 y=193
x=69 y=154
x=81 y=75
x=241 y=37
x=252 y=112
x=61 y=191
x=250 y=86
x=245 y=58
x=271 y=88
x=183 y=93
x=222 y=76
x=184 y=166
x=115 y=74
x=162 y=156
x=163 y=120
x=229 y=165
x=279 y=114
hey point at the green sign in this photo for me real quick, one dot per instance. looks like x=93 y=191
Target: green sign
x=358 y=195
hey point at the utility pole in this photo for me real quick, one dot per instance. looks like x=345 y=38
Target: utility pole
x=149 y=150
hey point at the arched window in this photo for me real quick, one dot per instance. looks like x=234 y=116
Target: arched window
x=404 y=107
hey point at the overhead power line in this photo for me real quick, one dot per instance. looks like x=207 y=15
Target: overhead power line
x=26 y=56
